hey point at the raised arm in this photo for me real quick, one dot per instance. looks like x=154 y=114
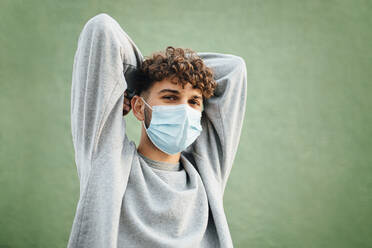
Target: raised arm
x=104 y=53
x=223 y=115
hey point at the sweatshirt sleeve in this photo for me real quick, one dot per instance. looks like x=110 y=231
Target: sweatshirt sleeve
x=104 y=53
x=223 y=115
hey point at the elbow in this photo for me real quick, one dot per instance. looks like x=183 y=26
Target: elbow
x=238 y=62
x=100 y=23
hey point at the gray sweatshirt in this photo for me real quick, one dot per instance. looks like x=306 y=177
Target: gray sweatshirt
x=127 y=199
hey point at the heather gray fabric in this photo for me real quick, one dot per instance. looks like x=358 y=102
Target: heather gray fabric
x=165 y=208
x=126 y=199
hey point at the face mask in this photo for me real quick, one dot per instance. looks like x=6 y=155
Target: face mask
x=173 y=127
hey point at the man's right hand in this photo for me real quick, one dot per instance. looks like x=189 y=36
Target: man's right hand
x=126 y=105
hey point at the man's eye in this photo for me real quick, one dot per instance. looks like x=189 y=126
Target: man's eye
x=169 y=97
x=195 y=102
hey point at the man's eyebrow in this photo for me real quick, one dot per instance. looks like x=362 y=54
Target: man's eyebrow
x=169 y=90
x=177 y=92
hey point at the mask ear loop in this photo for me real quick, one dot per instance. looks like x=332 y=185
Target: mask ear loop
x=146 y=102
x=143 y=122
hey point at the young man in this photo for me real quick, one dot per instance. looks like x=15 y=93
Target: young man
x=168 y=191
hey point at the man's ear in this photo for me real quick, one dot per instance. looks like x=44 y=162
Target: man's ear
x=138 y=107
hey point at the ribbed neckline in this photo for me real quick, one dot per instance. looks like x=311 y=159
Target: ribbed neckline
x=161 y=165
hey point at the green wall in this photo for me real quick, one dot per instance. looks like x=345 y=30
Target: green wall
x=303 y=172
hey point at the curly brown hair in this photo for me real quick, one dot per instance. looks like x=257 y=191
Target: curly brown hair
x=180 y=66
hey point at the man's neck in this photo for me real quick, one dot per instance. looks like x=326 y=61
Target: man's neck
x=148 y=149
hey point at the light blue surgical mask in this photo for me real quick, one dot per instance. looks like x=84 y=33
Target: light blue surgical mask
x=173 y=127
